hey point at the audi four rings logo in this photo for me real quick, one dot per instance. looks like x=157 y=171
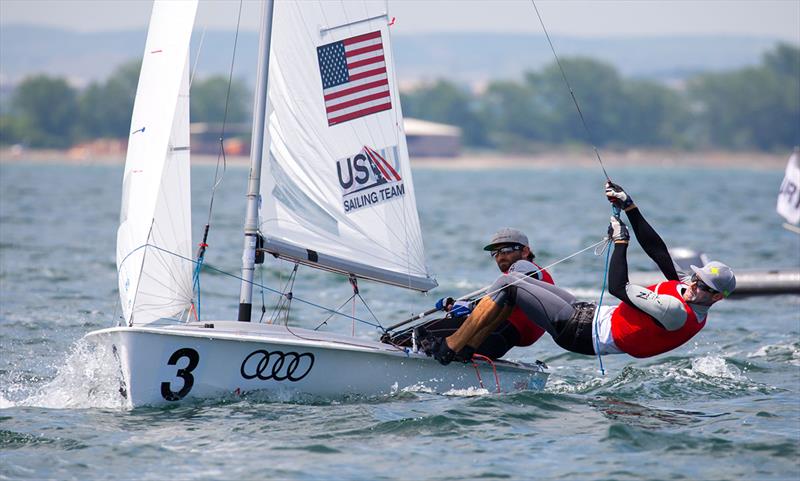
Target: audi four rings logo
x=277 y=365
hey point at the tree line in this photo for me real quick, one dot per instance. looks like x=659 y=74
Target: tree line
x=751 y=108
x=755 y=107
x=47 y=112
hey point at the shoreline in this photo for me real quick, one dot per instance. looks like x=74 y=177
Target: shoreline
x=474 y=160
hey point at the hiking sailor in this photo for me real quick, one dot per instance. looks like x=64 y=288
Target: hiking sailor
x=512 y=253
x=649 y=321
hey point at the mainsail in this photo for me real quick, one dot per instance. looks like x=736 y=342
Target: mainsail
x=336 y=184
x=155 y=218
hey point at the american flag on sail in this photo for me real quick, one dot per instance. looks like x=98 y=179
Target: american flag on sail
x=354 y=77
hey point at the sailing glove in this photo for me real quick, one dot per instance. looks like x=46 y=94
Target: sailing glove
x=618 y=231
x=445 y=303
x=617 y=196
x=453 y=307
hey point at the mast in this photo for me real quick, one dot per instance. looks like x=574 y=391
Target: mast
x=256 y=153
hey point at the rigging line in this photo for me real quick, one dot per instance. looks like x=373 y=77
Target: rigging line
x=522 y=279
x=230 y=73
x=597 y=311
x=325 y=321
x=197 y=57
x=217 y=177
x=571 y=92
x=263 y=300
x=282 y=298
x=270 y=289
x=482 y=292
x=363 y=301
x=289 y=296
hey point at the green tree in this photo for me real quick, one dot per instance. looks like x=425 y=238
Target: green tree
x=599 y=91
x=754 y=107
x=208 y=100
x=12 y=129
x=106 y=107
x=445 y=102
x=653 y=115
x=511 y=110
x=48 y=107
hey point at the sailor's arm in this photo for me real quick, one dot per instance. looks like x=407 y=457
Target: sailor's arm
x=618 y=273
x=667 y=311
x=652 y=243
x=648 y=238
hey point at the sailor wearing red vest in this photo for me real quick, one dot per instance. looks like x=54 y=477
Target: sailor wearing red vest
x=512 y=253
x=650 y=321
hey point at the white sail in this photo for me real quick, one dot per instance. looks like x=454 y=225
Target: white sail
x=155 y=218
x=336 y=186
x=789 y=195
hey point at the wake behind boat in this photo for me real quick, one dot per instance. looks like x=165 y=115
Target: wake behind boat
x=335 y=193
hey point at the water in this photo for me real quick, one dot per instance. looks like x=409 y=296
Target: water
x=725 y=406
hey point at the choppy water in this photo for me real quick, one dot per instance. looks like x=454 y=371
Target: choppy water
x=725 y=406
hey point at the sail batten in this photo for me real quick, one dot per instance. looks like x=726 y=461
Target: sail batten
x=337 y=191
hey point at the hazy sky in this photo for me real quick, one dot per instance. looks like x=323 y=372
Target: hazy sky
x=775 y=18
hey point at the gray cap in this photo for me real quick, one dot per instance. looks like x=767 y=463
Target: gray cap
x=717 y=276
x=506 y=236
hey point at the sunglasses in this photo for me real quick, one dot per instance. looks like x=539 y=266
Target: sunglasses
x=703 y=286
x=507 y=249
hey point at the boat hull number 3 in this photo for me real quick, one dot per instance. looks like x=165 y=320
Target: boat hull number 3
x=259 y=364
x=184 y=373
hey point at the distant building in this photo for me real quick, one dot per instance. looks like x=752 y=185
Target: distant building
x=425 y=139
x=431 y=139
x=205 y=138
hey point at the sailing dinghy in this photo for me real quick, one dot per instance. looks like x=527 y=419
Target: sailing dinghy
x=334 y=192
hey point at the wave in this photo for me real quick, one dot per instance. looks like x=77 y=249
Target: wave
x=709 y=376
x=781 y=353
x=89 y=377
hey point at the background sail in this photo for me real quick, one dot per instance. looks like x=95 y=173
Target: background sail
x=789 y=196
x=153 y=281
x=336 y=186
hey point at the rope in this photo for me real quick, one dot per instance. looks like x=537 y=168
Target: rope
x=523 y=279
x=270 y=289
x=615 y=211
x=221 y=155
x=589 y=135
x=481 y=292
x=478 y=372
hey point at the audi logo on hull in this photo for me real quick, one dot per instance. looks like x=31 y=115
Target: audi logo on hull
x=277 y=365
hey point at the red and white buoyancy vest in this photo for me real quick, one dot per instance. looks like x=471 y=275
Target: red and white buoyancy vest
x=637 y=333
x=529 y=331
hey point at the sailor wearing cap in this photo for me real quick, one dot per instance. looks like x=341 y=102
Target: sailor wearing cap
x=650 y=320
x=512 y=252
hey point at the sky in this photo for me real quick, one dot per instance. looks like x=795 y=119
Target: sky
x=606 y=18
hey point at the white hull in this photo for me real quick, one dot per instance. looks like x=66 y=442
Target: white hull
x=166 y=364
